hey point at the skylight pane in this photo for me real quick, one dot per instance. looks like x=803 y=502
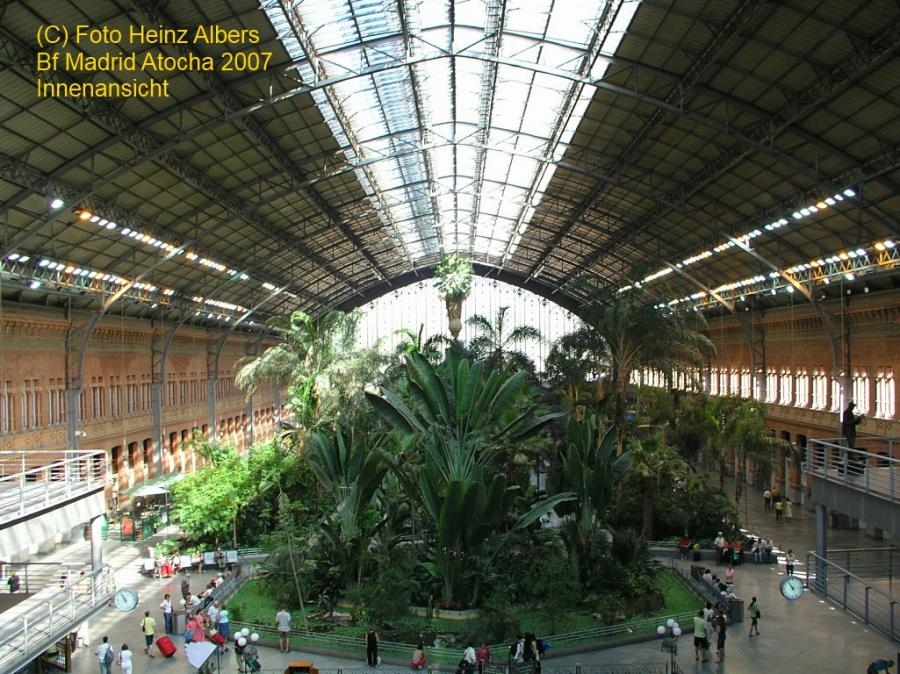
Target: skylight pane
x=373 y=117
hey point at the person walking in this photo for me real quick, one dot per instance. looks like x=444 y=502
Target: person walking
x=788 y=509
x=148 y=628
x=789 y=559
x=166 y=606
x=721 y=633
x=767 y=499
x=880 y=666
x=186 y=586
x=755 y=614
x=701 y=645
x=779 y=510
x=418 y=659
x=469 y=658
x=126 y=660
x=372 y=647
x=283 y=623
x=105 y=656
x=224 y=622
x=482 y=656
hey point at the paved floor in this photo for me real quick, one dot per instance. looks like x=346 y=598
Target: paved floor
x=806 y=635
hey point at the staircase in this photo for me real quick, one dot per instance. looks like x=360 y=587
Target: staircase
x=47 y=616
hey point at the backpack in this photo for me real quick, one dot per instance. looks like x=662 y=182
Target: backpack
x=108 y=657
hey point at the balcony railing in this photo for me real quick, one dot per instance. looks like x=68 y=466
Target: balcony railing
x=877 y=474
x=25 y=489
x=50 y=615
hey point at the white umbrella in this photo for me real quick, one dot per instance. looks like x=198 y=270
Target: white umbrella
x=150 y=490
x=198 y=652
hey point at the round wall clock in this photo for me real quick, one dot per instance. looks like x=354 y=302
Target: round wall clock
x=126 y=599
x=792 y=587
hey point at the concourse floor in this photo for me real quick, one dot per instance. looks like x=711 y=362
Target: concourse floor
x=806 y=635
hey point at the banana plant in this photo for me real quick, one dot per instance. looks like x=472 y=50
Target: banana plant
x=351 y=471
x=590 y=468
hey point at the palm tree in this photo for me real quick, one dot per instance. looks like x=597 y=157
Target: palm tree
x=320 y=363
x=656 y=464
x=454 y=280
x=632 y=333
x=454 y=422
x=499 y=349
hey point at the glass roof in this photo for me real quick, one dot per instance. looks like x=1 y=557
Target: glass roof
x=456 y=110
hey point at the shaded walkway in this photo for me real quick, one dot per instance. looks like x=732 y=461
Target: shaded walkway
x=807 y=635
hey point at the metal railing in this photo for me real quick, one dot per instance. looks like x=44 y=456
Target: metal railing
x=633 y=630
x=670 y=667
x=25 y=489
x=876 y=474
x=855 y=595
x=871 y=563
x=51 y=616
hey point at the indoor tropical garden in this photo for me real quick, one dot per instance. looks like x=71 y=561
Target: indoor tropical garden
x=448 y=491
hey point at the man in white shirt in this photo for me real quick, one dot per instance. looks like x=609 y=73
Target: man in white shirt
x=101 y=653
x=469 y=658
x=283 y=624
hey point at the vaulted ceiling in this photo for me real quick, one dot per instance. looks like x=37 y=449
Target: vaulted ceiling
x=715 y=152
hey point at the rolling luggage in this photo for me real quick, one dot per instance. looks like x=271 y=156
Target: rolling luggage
x=166 y=647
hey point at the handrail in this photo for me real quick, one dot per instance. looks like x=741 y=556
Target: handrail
x=28 y=489
x=869 y=603
x=643 y=627
x=874 y=474
x=50 y=617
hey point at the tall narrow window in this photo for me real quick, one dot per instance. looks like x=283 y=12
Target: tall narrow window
x=786 y=384
x=714 y=382
x=836 y=396
x=861 y=392
x=771 y=386
x=885 y=405
x=802 y=397
x=819 y=390
x=745 y=383
x=6 y=408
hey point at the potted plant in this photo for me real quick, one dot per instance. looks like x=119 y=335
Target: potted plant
x=454 y=280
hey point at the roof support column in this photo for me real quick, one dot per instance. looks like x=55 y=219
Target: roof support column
x=213 y=351
x=159 y=350
x=77 y=340
x=756 y=341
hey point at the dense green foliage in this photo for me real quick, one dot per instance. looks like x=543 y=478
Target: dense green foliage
x=417 y=481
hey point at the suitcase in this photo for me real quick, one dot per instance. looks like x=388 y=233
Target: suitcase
x=217 y=638
x=166 y=646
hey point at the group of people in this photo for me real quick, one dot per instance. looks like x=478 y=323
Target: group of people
x=167 y=566
x=729 y=552
x=711 y=622
x=784 y=509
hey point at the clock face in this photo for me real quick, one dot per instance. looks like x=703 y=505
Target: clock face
x=792 y=587
x=126 y=599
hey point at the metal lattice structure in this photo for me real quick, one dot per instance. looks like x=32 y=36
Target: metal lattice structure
x=714 y=151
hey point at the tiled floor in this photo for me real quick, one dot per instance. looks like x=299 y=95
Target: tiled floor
x=806 y=635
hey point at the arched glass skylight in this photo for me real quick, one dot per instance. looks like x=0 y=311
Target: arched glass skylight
x=452 y=113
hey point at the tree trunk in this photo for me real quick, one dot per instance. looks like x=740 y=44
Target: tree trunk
x=454 y=316
x=297 y=582
x=647 y=494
